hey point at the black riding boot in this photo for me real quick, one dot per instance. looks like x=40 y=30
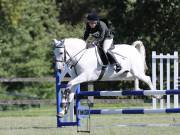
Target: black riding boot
x=103 y=56
x=113 y=60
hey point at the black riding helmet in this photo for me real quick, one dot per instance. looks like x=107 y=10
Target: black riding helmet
x=92 y=17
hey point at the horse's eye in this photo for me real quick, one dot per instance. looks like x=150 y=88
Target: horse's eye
x=61 y=53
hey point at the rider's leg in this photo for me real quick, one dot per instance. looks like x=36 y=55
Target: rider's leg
x=114 y=60
x=106 y=46
x=103 y=56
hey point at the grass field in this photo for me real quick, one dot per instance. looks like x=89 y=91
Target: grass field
x=43 y=122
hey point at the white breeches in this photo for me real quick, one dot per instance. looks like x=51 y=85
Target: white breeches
x=107 y=44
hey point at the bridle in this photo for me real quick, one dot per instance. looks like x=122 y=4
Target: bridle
x=70 y=62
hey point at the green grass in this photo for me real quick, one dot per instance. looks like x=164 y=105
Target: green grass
x=101 y=125
x=43 y=111
x=42 y=121
x=51 y=110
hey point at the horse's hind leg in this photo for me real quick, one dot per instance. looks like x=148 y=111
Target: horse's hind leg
x=136 y=84
x=145 y=79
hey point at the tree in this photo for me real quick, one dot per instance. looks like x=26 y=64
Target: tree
x=26 y=32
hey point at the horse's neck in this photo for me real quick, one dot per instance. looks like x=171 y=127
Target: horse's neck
x=74 y=47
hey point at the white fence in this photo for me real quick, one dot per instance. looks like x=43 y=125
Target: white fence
x=165 y=76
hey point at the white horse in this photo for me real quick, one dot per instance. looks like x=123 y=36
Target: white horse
x=85 y=64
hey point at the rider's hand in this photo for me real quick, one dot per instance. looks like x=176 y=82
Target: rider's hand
x=95 y=43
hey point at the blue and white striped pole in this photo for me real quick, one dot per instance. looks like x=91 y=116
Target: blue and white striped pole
x=133 y=111
x=129 y=93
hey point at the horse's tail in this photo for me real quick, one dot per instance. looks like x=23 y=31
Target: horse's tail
x=141 y=49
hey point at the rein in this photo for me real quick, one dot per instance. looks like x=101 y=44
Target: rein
x=71 y=59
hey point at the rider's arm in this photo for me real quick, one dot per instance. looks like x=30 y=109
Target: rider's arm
x=102 y=29
x=86 y=33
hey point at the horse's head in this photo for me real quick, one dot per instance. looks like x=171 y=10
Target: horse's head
x=59 y=54
x=68 y=51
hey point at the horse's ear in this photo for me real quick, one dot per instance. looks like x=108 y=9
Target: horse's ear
x=58 y=42
x=55 y=42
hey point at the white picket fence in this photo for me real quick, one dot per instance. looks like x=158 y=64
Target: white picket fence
x=165 y=75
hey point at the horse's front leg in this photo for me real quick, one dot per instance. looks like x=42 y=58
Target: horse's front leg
x=69 y=92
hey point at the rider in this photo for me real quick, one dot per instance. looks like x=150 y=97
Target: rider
x=103 y=36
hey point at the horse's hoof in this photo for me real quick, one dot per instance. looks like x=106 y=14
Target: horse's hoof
x=158 y=96
x=61 y=114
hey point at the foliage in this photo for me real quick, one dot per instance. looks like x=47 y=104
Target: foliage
x=29 y=27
